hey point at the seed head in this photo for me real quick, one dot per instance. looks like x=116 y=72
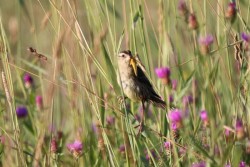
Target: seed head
x=231 y=11
x=192 y=22
x=174 y=84
x=39 y=102
x=182 y=8
x=53 y=145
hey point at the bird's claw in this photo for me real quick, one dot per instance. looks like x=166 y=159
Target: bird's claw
x=140 y=126
x=121 y=99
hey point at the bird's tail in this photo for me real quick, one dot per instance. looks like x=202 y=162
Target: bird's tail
x=158 y=102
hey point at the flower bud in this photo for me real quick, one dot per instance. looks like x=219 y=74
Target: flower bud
x=28 y=80
x=192 y=22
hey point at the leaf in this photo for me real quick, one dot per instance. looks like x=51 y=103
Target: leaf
x=227 y=153
x=102 y=103
x=112 y=74
x=135 y=18
x=237 y=155
x=200 y=148
x=185 y=86
x=113 y=10
x=120 y=41
x=110 y=8
x=213 y=73
x=34 y=66
x=25 y=9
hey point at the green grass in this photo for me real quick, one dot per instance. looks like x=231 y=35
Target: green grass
x=78 y=82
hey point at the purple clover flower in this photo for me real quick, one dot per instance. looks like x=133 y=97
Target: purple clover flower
x=122 y=148
x=110 y=120
x=163 y=72
x=206 y=40
x=245 y=37
x=205 y=43
x=186 y=100
x=239 y=128
x=182 y=5
x=192 y=21
x=182 y=151
x=231 y=11
x=53 y=145
x=174 y=126
x=28 y=80
x=75 y=148
x=148 y=157
x=239 y=124
x=242 y=164
x=232 y=5
x=174 y=84
x=167 y=145
x=246 y=44
x=227 y=132
x=175 y=115
x=21 y=111
x=203 y=115
x=171 y=98
x=39 y=102
x=199 y=164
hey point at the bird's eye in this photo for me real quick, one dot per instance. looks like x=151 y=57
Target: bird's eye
x=123 y=55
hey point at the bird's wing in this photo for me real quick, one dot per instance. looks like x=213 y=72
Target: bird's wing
x=154 y=97
x=143 y=79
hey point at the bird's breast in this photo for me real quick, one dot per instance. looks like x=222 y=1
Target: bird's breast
x=131 y=89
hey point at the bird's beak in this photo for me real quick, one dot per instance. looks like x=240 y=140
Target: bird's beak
x=133 y=64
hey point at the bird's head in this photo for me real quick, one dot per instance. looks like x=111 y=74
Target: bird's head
x=126 y=58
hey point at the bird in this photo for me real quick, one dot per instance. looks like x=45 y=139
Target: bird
x=136 y=86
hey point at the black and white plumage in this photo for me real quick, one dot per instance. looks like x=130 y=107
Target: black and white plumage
x=134 y=82
x=136 y=87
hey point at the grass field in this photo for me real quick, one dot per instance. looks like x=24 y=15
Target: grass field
x=59 y=93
